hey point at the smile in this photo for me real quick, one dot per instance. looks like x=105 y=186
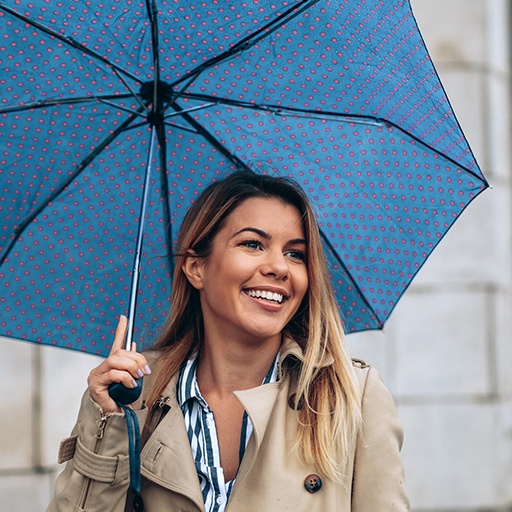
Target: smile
x=264 y=294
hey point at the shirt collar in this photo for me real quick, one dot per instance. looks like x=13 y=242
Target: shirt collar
x=187 y=387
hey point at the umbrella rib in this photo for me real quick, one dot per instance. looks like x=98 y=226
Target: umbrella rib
x=332 y=251
x=323 y=114
x=67 y=40
x=153 y=19
x=190 y=109
x=477 y=176
x=271 y=27
x=209 y=137
x=279 y=109
x=63 y=101
x=133 y=93
x=160 y=131
x=160 y=126
x=182 y=127
x=26 y=222
x=248 y=41
x=125 y=109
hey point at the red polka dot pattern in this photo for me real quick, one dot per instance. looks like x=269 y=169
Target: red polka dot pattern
x=341 y=96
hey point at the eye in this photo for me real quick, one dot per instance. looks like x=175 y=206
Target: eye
x=296 y=255
x=251 y=244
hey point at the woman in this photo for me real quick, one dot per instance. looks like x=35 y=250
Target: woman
x=253 y=403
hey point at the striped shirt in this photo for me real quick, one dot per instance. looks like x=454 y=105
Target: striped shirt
x=202 y=435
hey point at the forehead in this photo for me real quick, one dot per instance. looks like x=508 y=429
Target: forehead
x=270 y=214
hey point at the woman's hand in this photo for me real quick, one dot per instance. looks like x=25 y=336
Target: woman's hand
x=120 y=366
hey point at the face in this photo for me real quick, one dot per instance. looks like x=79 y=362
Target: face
x=255 y=278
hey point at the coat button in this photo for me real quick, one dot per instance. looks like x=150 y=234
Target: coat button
x=313 y=483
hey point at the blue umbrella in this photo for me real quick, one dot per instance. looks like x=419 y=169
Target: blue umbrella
x=115 y=113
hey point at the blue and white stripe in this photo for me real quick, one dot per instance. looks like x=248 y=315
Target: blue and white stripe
x=202 y=435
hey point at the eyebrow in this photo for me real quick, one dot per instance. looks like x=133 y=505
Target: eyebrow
x=268 y=236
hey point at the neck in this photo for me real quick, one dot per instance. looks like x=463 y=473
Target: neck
x=226 y=367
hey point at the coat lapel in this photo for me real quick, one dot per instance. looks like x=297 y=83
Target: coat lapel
x=259 y=403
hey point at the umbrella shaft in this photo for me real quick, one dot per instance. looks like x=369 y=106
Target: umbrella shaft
x=138 y=248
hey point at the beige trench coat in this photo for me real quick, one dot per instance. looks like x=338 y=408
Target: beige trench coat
x=270 y=478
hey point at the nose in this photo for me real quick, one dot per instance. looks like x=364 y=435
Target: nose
x=275 y=265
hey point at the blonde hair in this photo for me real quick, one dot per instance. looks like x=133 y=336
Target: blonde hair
x=330 y=417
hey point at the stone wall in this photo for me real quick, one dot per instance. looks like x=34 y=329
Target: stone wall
x=446 y=353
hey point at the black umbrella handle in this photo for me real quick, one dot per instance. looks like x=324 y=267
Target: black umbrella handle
x=123 y=395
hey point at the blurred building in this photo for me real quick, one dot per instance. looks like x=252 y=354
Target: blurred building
x=446 y=353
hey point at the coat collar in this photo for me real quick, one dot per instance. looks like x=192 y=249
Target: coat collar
x=290 y=350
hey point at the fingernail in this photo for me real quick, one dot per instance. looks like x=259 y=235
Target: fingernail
x=140 y=372
x=147 y=370
x=134 y=383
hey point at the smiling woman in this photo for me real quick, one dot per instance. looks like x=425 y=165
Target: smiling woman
x=253 y=403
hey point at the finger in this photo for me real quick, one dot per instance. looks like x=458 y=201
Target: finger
x=99 y=386
x=132 y=361
x=122 y=377
x=123 y=360
x=99 y=383
x=144 y=368
x=120 y=335
x=130 y=366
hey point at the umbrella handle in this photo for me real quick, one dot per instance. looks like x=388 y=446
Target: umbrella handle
x=123 y=395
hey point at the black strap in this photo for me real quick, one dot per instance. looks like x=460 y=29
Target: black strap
x=132 y=425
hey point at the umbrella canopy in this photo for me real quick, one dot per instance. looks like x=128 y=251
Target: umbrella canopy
x=341 y=96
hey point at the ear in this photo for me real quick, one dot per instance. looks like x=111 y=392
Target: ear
x=193 y=269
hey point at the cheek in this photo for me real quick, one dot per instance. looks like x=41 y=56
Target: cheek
x=231 y=269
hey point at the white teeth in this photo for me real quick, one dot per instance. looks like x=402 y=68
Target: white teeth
x=264 y=294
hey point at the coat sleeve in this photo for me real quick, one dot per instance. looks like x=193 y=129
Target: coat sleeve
x=97 y=472
x=378 y=479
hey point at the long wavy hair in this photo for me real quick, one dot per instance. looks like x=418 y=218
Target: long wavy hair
x=330 y=415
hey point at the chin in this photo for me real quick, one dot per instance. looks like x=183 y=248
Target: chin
x=264 y=333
